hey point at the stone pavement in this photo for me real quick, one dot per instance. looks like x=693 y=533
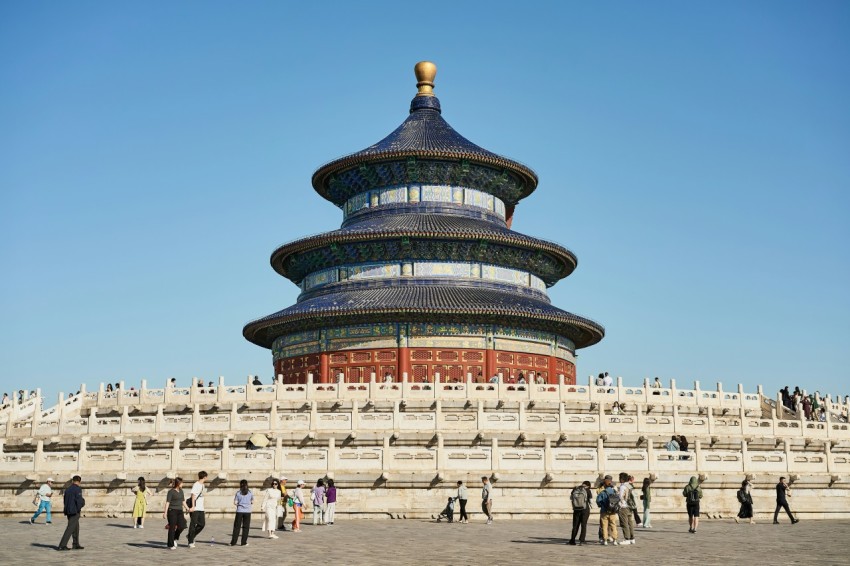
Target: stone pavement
x=400 y=542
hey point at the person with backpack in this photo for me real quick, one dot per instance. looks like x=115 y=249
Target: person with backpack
x=627 y=508
x=692 y=494
x=745 y=498
x=608 y=501
x=580 y=500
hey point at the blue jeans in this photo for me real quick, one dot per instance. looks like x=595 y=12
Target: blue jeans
x=44 y=506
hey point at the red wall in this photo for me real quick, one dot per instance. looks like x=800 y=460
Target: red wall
x=421 y=364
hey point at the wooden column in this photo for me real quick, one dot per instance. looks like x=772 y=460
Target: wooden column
x=323 y=367
x=403 y=362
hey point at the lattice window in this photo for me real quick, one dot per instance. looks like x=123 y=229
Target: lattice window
x=475 y=370
x=447 y=356
x=524 y=360
x=338 y=358
x=313 y=360
x=298 y=363
x=386 y=370
x=386 y=356
x=334 y=373
x=541 y=362
x=421 y=355
x=504 y=371
x=439 y=369
x=420 y=372
x=504 y=358
x=361 y=356
x=455 y=372
x=473 y=357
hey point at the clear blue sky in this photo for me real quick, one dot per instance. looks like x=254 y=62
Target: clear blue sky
x=695 y=156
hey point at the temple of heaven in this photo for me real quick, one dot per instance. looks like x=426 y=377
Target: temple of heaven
x=424 y=280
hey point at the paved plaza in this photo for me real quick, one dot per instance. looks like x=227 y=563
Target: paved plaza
x=112 y=541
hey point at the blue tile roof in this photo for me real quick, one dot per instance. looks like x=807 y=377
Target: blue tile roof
x=412 y=303
x=424 y=134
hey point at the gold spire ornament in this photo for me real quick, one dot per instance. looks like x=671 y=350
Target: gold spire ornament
x=425 y=72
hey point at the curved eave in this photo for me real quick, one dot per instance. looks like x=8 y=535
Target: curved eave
x=278 y=259
x=323 y=175
x=394 y=305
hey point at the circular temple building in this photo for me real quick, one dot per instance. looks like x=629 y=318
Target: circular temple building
x=425 y=280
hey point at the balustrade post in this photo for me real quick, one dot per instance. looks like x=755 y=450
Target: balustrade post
x=219 y=391
x=196 y=418
x=745 y=456
x=128 y=455
x=650 y=453
x=278 y=454
x=698 y=454
x=159 y=419
x=82 y=453
x=827 y=449
x=600 y=455
x=175 y=455
x=39 y=456
x=125 y=420
x=225 y=452
x=603 y=420
x=60 y=408
x=495 y=455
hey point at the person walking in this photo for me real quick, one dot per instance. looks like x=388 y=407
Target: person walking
x=608 y=500
x=692 y=494
x=298 y=506
x=627 y=508
x=745 y=498
x=175 y=507
x=580 y=499
x=318 y=500
x=197 y=518
x=330 y=497
x=282 y=505
x=487 y=499
x=74 y=503
x=140 y=504
x=646 y=497
x=271 y=498
x=45 y=492
x=783 y=490
x=244 y=501
x=462 y=497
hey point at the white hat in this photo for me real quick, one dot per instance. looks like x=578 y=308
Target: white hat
x=302 y=482
x=50 y=479
x=282 y=478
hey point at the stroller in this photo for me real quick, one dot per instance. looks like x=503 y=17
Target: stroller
x=448 y=512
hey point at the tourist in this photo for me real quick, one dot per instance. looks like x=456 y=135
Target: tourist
x=461 y=497
x=672 y=444
x=388 y=377
x=172 y=383
x=298 y=506
x=745 y=498
x=210 y=387
x=656 y=385
x=330 y=497
x=580 y=499
x=244 y=501
x=783 y=490
x=692 y=494
x=683 y=446
x=600 y=380
x=5 y=399
x=271 y=498
x=140 y=504
x=282 y=505
x=646 y=497
x=109 y=388
x=607 y=499
x=627 y=508
x=608 y=381
x=256 y=380
x=615 y=408
x=318 y=500
x=487 y=499
x=42 y=498
x=197 y=519
x=175 y=507
x=74 y=504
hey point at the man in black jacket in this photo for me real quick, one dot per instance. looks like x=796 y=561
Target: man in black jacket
x=74 y=504
x=781 y=502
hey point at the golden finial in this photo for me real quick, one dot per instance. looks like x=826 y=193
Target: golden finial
x=425 y=72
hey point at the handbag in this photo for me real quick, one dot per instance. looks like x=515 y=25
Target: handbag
x=279 y=511
x=36 y=500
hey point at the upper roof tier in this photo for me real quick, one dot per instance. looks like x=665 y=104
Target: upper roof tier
x=424 y=149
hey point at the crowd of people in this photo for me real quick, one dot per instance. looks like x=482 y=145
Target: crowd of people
x=813 y=406
x=619 y=511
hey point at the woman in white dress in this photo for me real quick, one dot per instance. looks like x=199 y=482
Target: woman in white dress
x=271 y=498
